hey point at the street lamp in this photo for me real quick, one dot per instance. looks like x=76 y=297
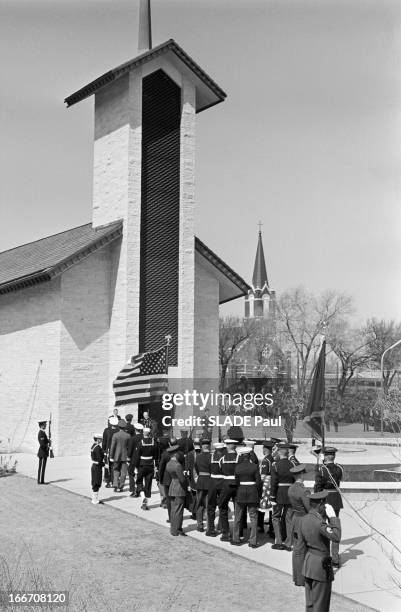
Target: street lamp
x=390 y=348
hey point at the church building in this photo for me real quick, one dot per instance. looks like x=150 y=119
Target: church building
x=75 y=306
x=260 y=302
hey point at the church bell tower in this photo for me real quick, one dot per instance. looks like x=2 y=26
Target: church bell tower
x=143 y=177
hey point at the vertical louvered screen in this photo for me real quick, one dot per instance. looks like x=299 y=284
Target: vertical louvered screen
x=160 y=213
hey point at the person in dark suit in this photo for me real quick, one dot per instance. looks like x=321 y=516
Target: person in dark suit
x=202 y=469
x=281 y=479
x=43 y=452
x=97 y=456
x=108 y=433
x=249 y=490
x=130 y=428
x=164 y=476
x=315 y=534
x=119 y=455
x=328 y=477
x=299 y=500
x=177 y=491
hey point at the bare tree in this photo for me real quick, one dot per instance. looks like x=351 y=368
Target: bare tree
x=352 y=349
x=380 y=335
x=233 y=332
x=303 y=317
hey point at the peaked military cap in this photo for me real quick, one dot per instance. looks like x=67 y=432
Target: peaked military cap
x=320 y=495
x=230 y=441
x=268 y=444
x=219 y=445
x=243 y=450
x=298 y=469
x=329 y=450
x=96 y=436
x=205 y=441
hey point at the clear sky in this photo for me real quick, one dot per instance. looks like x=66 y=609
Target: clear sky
x=308 y=140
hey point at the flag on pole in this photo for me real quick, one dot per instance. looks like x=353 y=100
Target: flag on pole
x=143 y=379
x=314 y=413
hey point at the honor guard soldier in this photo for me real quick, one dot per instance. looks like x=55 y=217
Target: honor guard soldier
x=43 y=452
x=97 y=456
x=280 y=481
x=146 y=454
x=202 y=469
x=164 y=476
x=249 y=489
x=265 y=474
x=275 y=448
x=328 y=477
x=215 y=486
x=291 y=454
x=299 y=499
x=229 y=489
x=190 y=458
x=108 y=434
x=315 y=534
x=132 y=446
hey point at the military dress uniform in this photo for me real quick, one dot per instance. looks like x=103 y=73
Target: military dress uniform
x=265 y=504
x=249 y=489
x=281 y=479
x=315 y=535
x=202 y=469
x=97 y=457
x=228 y=464
x=131 y=455
x=146 y=454
x=326 y=473
x=298 y=496
x=177 y=491
x=190 y=459
x=215 y=485
x=108 y=434
x=43 y=453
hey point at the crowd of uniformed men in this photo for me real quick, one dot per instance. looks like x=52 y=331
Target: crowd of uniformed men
x=191 y=474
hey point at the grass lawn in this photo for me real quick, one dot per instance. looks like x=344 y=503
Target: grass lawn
x=112 y=561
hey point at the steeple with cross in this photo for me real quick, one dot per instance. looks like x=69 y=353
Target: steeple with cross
x=260 y=302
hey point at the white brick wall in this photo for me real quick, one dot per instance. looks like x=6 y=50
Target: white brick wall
x=84 y=352
x=29 y=332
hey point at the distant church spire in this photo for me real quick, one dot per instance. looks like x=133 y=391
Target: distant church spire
x=145 y=27
x=259 y=278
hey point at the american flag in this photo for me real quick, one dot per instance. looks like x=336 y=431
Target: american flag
x=143 y=379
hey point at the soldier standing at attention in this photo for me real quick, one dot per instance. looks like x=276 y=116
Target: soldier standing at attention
x=280 y=481
x=299 y=499
x=328 y=477
x=146 y=455
x=228 y=464
x=43 y=452
x=202 y=469
x=315 y=534
x=249 y=489
x=97 y=456
x=215 y=486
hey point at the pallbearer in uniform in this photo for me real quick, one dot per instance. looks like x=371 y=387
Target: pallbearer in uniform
x=132 y=446
x=108 y=434
x=190 y=458
x=146 y=455
x=265 y=474
x=299 y=499
x=280 y=481
x=328 y=477
x=43 y=452
x=202 y=469
x=215 y=486
x=229 y=489
x=97 y=456
x=317 y=529
x=249 y=489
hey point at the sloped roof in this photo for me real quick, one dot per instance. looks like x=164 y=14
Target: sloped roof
x=259 y=278
x=44 y=259
x=208 y=92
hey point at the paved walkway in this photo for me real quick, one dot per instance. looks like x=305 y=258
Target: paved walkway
x=367 y=574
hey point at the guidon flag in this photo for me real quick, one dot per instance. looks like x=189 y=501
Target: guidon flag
x=314 y=413
x=142 y=380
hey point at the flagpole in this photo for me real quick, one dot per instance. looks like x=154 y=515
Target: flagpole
x=167 y=338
